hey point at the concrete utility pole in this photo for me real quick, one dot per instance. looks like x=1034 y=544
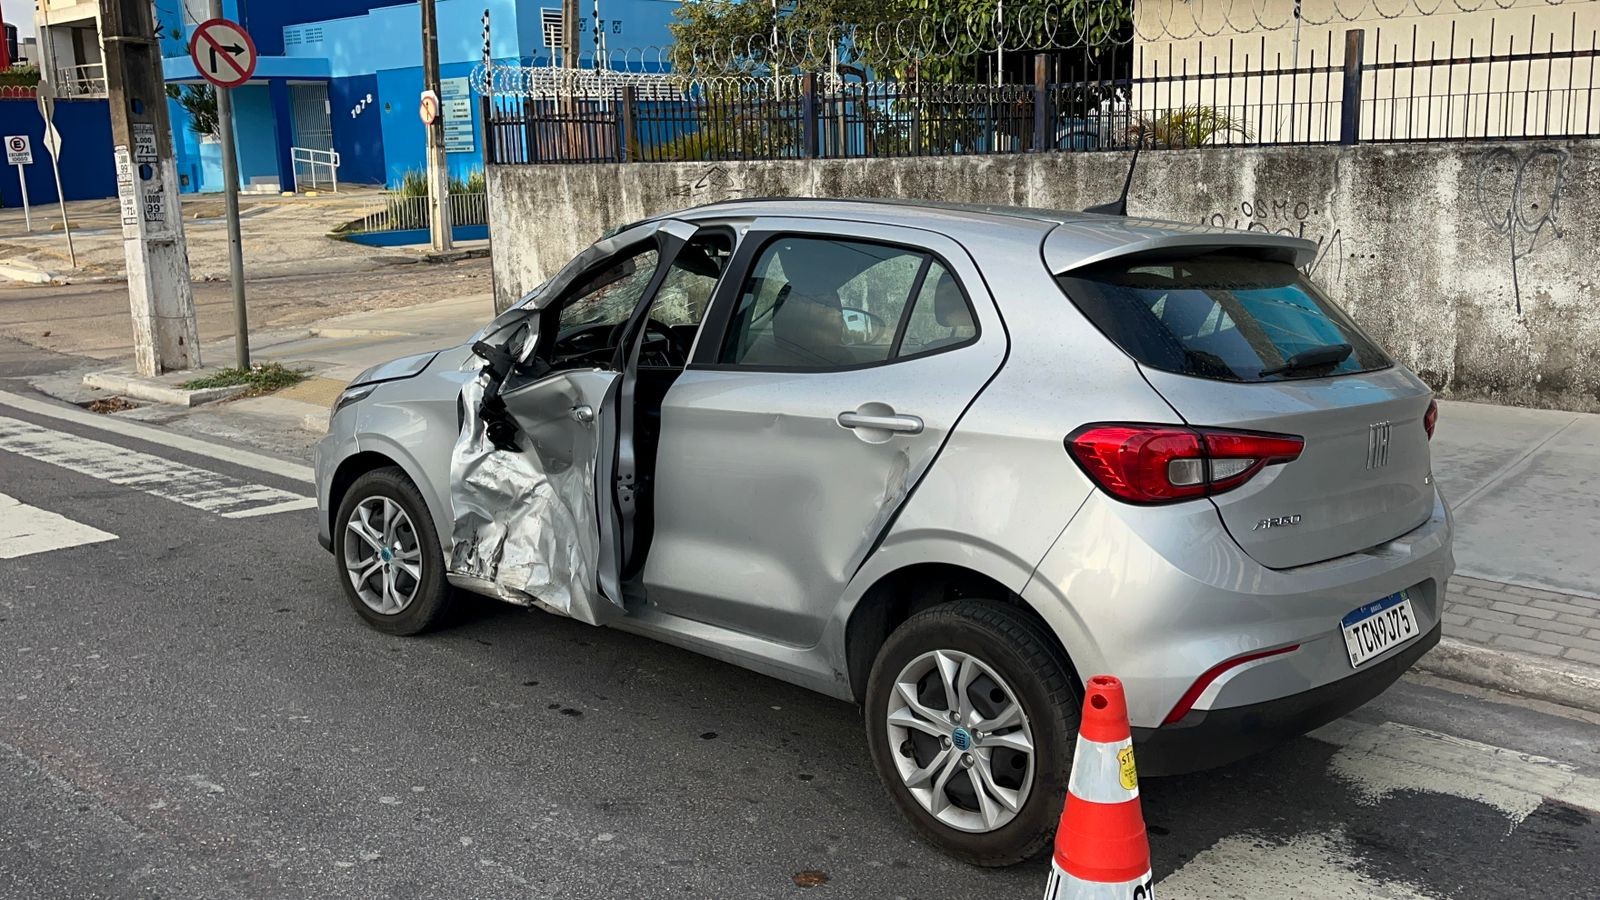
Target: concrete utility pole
x=569 y=34
x=438 y=170
x=230 y=195
x=165 y=337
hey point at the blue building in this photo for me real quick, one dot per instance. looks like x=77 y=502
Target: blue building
x=346 y=75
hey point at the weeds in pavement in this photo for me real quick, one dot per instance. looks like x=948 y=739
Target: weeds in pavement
x=261 y=378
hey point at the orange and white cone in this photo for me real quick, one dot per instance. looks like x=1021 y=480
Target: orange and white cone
x=1102 y=852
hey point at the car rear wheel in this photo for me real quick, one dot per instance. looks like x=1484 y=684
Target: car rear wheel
x=971 y=719
x=388 y=555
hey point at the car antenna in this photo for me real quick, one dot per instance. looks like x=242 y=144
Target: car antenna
x=1119 y=206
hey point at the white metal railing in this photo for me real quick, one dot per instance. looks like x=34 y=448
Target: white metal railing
x=315 y=162
x=88 y=80
x=397 y=212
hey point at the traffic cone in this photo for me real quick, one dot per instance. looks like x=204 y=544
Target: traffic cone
x=1101 y=848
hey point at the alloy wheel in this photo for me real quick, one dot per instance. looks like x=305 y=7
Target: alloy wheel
x=382 y=556
x=963 y=744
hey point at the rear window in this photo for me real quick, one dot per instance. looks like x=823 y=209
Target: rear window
x=1228 y=318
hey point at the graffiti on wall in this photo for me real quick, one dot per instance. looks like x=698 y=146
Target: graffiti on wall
x=1519 y=196
x=713 y=182
x=1293 y=218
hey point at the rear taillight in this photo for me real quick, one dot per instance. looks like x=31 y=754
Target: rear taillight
x=1430 y=418
x=1168 y=463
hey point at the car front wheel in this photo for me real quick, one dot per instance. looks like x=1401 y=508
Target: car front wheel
x=972 y=715
x=388 y=556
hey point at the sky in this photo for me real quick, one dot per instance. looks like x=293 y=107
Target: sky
x=20 y=14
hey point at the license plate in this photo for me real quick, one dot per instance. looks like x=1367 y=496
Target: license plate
x=1377 y=627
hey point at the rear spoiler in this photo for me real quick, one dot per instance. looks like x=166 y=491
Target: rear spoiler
x=1079 y=243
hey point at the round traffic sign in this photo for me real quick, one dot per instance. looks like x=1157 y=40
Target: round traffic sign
x=17 y=144
x=223 y=53
x=428 y=110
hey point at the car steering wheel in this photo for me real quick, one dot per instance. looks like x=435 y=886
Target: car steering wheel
x=584 y=340
x=679 y=354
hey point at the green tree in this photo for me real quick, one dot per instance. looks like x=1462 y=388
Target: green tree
x=931 y=40
x=200 y=102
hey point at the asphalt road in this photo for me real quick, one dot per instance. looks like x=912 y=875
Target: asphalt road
x=188 y=708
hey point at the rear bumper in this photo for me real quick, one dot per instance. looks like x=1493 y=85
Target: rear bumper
x=1208 y=738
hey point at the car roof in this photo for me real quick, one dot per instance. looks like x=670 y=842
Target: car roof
x=1070 y=239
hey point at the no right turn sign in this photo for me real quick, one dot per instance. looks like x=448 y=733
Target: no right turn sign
x=19 y=150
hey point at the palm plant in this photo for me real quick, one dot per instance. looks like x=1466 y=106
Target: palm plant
x=1190 y=126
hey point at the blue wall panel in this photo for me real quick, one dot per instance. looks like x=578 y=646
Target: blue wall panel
x=405 y=141
x=283 y=117
x=393 y=35
x=186 y=150
x=358 y=136
x=256 y=134
x=87 y=170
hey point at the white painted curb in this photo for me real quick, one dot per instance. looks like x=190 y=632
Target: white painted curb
x=138 y=389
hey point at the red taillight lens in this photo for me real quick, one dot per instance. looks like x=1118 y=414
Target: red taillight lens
x=1168 y=463
x=1431 y=418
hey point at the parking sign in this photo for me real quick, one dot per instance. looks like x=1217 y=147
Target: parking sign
x=19 y=150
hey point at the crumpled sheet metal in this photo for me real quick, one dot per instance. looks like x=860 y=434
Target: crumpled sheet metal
x=527 y=530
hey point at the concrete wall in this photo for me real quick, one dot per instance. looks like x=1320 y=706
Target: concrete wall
x=1474 y=263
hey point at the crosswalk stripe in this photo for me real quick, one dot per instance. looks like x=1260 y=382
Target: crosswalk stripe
x=25 y=530
x=1377 y=761
x=164 y=437
x=199 y=488
x=1307 y=866
x=287 y=506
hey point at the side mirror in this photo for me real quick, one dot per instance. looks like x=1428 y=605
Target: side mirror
x=862 y=328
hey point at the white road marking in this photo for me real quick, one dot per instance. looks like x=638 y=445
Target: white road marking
x=286 y=506
x=198 y=488
x=25 y=530
x=257 y=461
x=1378 y=761
x=1305 y=867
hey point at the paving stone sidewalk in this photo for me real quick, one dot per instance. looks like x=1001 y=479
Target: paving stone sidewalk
x=1523 y=619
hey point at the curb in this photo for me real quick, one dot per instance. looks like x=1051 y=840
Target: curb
x=337 y=333
x=25 y=274
x=139 y=389
x=1523 y=674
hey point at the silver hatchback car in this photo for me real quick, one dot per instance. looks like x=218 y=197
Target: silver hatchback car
x=943 y=462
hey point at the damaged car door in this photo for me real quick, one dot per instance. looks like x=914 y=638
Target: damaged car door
x=538 y=518
x=835 y=360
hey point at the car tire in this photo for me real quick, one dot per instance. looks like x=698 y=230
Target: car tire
x=1015 y=654
x=409 y=604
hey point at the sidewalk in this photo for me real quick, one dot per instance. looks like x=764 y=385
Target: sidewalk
x=1521 y=615
x=280 y=236
x=1524 y=485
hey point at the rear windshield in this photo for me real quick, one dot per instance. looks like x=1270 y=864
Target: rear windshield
x=1223 y=317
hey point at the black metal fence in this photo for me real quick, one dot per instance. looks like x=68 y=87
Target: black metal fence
x=1216 y=93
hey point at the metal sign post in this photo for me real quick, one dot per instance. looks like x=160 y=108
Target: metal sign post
x=225 y=56
x=19 y=153
x=52 y=144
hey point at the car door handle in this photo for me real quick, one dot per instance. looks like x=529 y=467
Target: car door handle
x=584 y=414
x=901 y=424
